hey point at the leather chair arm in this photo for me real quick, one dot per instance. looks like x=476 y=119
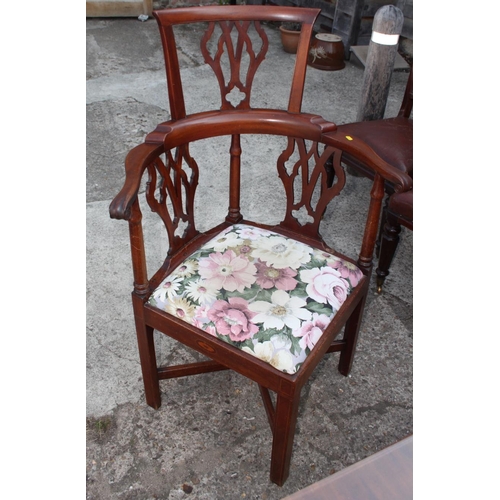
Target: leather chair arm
x=359 y=149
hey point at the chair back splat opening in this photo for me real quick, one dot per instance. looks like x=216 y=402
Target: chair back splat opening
x=264 y=298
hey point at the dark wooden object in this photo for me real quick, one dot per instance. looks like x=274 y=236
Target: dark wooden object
x=387 y=475
x=382 y=50
x=172 y=178
x=399 y=213
x=346 y=22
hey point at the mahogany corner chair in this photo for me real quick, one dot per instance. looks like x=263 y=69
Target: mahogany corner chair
x=265 y=301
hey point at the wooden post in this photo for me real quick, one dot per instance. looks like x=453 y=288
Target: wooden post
x=387 y=26
x=234 y=214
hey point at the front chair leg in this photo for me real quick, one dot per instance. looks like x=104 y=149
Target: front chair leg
x=351 y=332
x=283 y=433
x=145 y=341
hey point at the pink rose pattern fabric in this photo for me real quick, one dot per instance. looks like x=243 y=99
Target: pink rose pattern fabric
x=266 y=294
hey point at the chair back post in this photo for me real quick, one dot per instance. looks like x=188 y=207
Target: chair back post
x=365 y=260
x=174 y=82
x=141 y=283
x=299 y=75
x=234 y=214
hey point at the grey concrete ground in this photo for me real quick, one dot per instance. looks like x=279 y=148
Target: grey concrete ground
x=210 y=439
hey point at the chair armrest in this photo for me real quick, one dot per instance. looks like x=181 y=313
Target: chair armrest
x=250 y=121
x=198 y=126
x=360 y=150
x=135 y=163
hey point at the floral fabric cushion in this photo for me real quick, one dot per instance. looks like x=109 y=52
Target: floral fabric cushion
x=262 y=292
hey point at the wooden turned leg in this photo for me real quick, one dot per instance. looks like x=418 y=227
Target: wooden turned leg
x=149 y=368
x=383 y=220
x=351 y=332
x=388 y=245
x=283 y=434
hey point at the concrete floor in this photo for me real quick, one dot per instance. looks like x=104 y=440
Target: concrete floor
x=210 y=439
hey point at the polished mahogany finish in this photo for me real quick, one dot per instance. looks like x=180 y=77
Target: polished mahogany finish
x=172 y=176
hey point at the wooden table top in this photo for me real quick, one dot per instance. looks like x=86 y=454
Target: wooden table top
x=386 y=475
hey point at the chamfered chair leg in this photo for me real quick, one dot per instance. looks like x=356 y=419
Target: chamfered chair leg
x=148 y=365
x=388 y=245
x=283 y=433
x=147 y=355
x=351 y=332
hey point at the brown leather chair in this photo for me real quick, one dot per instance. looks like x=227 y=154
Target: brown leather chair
x=267 y=301
x=399 y=213
x=392 y=140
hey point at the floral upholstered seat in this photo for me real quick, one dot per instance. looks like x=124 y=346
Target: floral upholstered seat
x=262 y=292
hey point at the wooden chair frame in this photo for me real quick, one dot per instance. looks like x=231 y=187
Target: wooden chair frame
x=162 y=157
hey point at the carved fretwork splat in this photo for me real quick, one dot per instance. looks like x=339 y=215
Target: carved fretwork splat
x=172 y=195
x=234 y=51
x=304 y=180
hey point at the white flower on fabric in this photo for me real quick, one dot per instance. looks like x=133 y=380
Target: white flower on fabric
x=281 y=252
x=223 y=241
x=281 y=359
x=251 y=233
x=168 y=288
x=262 y=350
x=181 y=309
x=187 y=269
x=282 y=310
x=281 y=341
x=202 y=292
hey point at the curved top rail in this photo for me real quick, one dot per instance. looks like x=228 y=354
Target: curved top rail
x=209 y=13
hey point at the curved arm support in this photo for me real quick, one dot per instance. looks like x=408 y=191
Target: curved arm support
x=135 y=163
x=359 y=149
